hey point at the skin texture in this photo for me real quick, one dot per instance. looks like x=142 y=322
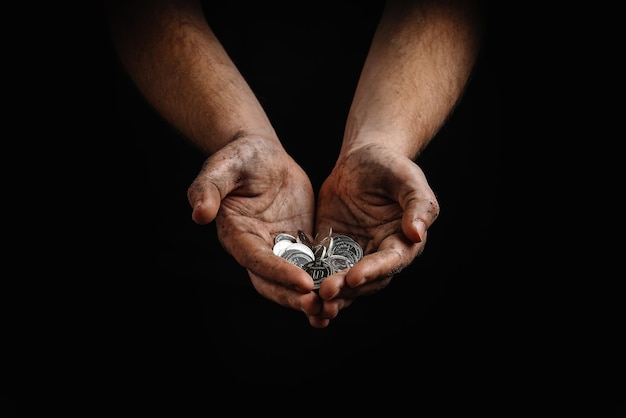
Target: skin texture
x=420 y=60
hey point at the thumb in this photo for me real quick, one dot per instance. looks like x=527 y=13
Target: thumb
x=216 y=180
x=413 y=228
x=205 y=200
x=418 y=215
x=419 y=204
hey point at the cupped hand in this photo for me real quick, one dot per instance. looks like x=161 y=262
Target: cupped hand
x=383 y=201
x=254 y=190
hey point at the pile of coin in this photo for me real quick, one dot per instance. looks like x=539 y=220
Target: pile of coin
x=330 y=255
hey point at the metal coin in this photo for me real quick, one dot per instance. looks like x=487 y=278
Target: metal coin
x=280 y=246
x=339 y=262
x=319 y=238
x=346 y=246
x=302 y=248
x=326 y=244
x=319 y=251
x=283 y=236
x=297 y=257
x=329 y=244
x=318 y=270
x=304 y=239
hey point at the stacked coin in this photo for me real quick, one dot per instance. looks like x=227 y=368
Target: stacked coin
x=329 y=256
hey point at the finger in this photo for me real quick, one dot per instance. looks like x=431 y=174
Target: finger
x=217 y=179
x=205 y=201
x=337 y=295
x=317 y=322
x=333 y=290
x=327 y=310
x=310 y=304
x=332 y=285
x=413 y=227
x=275 y=272
x=331 y=308
x=307 y=302
x=393 y=255
x=419 y=205
x=418 y=215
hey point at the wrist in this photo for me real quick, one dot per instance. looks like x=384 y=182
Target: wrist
x=212 y=141
x=397 y=142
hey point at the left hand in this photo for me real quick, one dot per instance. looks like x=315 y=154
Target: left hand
x=383 y=201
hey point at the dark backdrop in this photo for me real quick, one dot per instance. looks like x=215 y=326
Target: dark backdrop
x=124 y=290
x=110 y=285
x=180 y=305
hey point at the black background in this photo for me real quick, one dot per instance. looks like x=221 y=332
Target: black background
x=159 y=298
x=185 y=297
x=120 y=289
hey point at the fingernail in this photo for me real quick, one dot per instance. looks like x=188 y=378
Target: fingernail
x=421 y=229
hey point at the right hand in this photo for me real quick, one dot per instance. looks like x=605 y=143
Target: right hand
x=254 y=190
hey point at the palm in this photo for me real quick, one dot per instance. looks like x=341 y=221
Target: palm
x=376 y=196
x=265 y=203
x=360 y=199
x=254 y=190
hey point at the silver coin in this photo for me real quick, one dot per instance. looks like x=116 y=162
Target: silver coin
x=283 y=236
x=318 y=270
x=319 y=238
x=304 y=239
x=280 y=246
x=339 y=262
x=302 y=248
x=329 y=244
x=324 y=247
x=319 y=251
x=346 y=246
x=297 y=257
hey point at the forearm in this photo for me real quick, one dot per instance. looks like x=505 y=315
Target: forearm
x=177 y=63
x=420 y=60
